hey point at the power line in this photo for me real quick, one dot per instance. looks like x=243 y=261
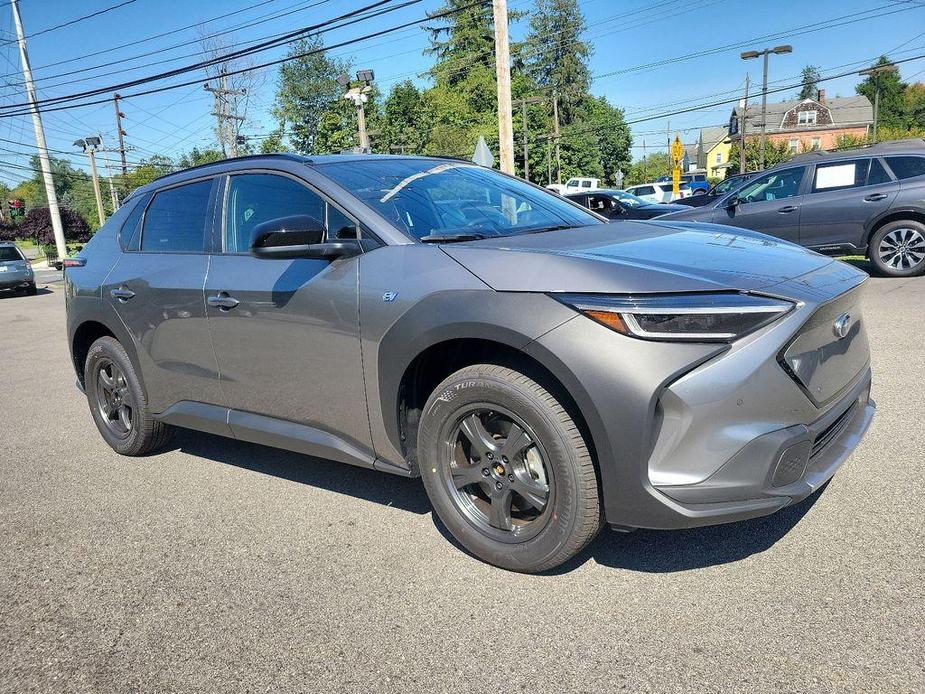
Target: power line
x=76 y=20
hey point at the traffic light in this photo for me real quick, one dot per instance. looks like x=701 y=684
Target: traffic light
x=17 y=208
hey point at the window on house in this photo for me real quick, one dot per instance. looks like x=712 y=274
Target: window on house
x=817 y=143
x=794 y=146
x=719 y=158
x=806 y=117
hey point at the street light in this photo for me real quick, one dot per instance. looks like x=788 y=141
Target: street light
x=359 y=96
x=89 y=146
x=748 y=55
x=875 y=72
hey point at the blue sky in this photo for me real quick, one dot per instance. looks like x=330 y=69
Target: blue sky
x=699 y=39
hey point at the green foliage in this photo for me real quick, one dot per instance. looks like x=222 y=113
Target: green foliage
x=73 y=188
x=810 y=77
x=891 y=95
x=37 y=225
x=197 y=157
x=306 y=91
x=557 y=58
x=147 y=171
x=406 y=121
x=648 y=169
x=463 y=42
x=775 y=153
x=912 y=110
x=273 y=142
x=850 y=141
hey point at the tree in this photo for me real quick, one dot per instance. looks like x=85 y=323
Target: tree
x=891 y=95
x=37 y=225
x=73 y=188
x=775 y=152
x=556 y=57
x=406 y=119
x=197 y=157
x=307 y=89
x=461 y=42
x=613 y=137
x=649 y=168
x=913 y=108
x=147 y=171
x=810 y=79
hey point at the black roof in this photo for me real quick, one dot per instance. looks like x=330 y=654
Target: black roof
x=915 y=145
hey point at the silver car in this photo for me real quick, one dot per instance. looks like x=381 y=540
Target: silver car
x=15 y=270
x=544 y=372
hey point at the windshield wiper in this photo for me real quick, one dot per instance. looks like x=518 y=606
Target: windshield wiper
x=555 y=227
x=452 y=238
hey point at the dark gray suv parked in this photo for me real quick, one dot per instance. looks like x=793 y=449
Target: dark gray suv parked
x=868 y=201
x=544 y=372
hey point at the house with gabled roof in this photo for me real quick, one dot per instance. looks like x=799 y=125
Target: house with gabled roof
x=808 y=124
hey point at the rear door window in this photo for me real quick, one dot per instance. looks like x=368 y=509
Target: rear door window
x=839 y=175
x=175 y=221
x=877 y=173
x=907 y=167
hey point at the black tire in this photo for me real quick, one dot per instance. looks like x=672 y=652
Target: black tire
x=142 y=434
x=31 y=290
x=897 y=249
x=571 y=514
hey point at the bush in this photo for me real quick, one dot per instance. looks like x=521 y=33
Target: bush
x=37 y=225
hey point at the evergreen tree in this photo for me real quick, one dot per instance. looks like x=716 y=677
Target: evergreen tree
x=810 y=87
x=462 y=42
x=406 y=120
x=891 y=95
x=556 y=57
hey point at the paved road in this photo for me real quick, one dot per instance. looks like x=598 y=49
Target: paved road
x=227 y=567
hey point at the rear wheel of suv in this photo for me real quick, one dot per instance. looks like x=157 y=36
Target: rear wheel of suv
x=31 y=290
x=897 y=249
x=507 y=470
x=118 y=402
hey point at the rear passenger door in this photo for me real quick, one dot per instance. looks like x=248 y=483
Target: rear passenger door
x=843 y=197
x=156 y=288
x=286 y=331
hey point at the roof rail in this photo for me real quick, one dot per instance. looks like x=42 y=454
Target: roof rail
x=246 y=157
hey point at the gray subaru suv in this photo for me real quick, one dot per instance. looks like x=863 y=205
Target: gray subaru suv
x=543 y=371
x=868 y=201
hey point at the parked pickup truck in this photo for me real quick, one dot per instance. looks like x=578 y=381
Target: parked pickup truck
x=575 y=184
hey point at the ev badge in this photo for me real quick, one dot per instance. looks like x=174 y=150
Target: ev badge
x=841 y=326
x=389 y=297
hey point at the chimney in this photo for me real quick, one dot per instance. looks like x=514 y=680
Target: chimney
x=820 y=96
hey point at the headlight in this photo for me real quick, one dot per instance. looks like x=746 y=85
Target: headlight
x=719 y=317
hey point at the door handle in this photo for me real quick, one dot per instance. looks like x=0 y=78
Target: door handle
x=874 y=197
x=223 y=301
x=123 y=294
x=787 y=210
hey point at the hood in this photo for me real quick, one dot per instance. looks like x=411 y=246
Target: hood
x=663 y=207
x=636 y=257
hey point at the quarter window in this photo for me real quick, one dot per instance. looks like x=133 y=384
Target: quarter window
x=176 y=219
x=257 y=198
x=907 y=167
x=129 y=234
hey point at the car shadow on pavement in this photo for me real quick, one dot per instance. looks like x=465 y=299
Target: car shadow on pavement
x=666 y=551
x=371 y=485
x=9 y=294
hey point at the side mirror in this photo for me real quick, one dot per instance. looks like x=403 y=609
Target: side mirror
x=299 y=236
x=733 y=202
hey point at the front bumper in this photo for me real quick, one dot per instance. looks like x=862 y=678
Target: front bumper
x=688 y=435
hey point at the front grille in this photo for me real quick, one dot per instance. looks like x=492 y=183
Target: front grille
x=831 y=432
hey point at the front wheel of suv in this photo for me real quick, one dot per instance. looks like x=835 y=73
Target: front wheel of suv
x=897 y=249
x=118 y=402
x=507 y=470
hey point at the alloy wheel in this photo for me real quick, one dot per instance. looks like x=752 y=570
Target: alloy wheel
x=497 y=474
x=902 y=249
x=114 y=400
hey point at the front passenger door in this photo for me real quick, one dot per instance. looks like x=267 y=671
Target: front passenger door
x=769 y=204
x=286 y=331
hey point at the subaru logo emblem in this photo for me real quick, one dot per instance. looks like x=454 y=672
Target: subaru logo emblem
x=389 y=297
x=841 y=326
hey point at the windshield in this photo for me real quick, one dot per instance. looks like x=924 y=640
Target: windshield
x=429 y=198
x=629 y=199
x=8 y=253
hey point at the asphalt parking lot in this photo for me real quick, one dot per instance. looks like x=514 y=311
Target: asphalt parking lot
x=220 y=566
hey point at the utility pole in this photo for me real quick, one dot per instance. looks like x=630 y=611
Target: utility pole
x=44 y=162
x=523 y=106
x=742 y=121
x=875 y=72
x=225 y=115
x=645 y=168
x=503 y=74
x=121 y=134
x=114 y=199
x=555 y=120
x=748 y=55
